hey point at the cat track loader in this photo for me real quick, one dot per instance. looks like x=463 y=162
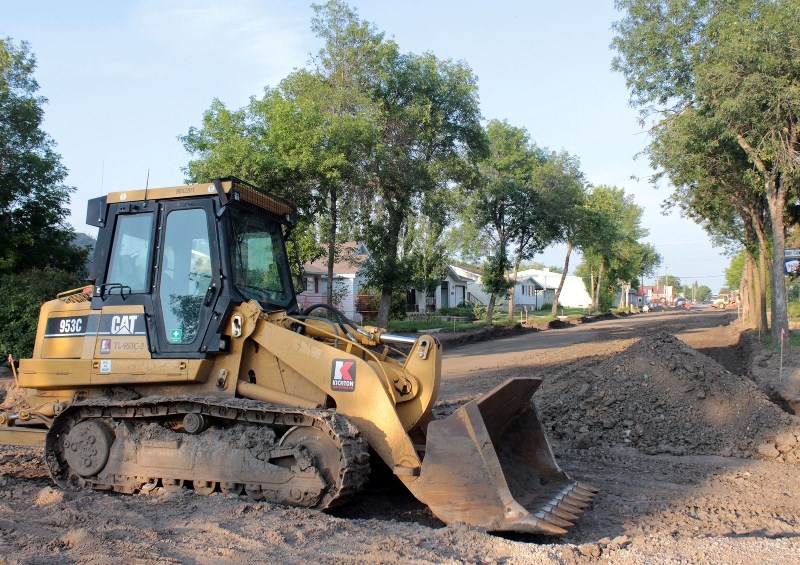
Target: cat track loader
x=187 y=364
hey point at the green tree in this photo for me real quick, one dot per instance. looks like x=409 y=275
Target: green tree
x=716 y=186
x=19 y=315
x=424 y=251
x=502 y=207
x=430 y=131
x=735 y=271
x=613 y=254
x=247 y=143
x=738 y=60
x=34 y=200
x=564 y=195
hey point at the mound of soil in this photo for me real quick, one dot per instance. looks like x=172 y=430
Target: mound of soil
x=661 y=396
x=456 y=339
x=598 y=317
x=11 y=397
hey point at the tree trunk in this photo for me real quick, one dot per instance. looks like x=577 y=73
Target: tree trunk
x=776 y=202
x=331 y=245
x=761 y=288
x=554 y=309
x=490 y=309
x=513 y=289
x=395 y=223
x=747 y=291
x=776 y=198
x=384 y=306
x=597 y=290
x=761 y=269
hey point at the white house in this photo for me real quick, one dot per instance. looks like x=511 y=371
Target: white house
x=347 y=281
x=573 y=293
x=534 y=288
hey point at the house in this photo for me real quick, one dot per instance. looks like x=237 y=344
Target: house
x=659 y=294
x=456 y=287
x=542 y=289
x=534 y=289
x=348 y=281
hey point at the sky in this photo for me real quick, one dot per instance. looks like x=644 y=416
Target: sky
x=124 y=80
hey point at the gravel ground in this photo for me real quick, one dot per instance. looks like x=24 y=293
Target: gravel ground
x=671 y=427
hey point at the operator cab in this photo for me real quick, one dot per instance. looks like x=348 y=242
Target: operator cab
x=185 y=256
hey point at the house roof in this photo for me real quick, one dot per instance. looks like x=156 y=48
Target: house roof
x=531 y=282
x=352 y=255
x=464 y=274
x=458 y=275
x=546 y=279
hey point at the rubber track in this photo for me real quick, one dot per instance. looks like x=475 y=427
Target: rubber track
x=353 y=449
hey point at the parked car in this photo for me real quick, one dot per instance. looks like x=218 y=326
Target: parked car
x=680 y=302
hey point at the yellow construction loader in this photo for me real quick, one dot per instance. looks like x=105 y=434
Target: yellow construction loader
x=187 y=364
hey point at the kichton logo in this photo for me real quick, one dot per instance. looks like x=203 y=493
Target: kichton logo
x=343 y=375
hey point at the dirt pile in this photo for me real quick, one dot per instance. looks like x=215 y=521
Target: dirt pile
x=11 y=397
x=661 y=396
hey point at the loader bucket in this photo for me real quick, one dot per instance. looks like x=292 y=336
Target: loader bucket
x=489 y=465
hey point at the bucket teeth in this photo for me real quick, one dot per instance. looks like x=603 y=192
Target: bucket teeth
x=556 y=510
x=581 y=497
x=539 y=525
x=575 y=502
x=558 y=505
x=586 y=487
x=583 y=492
x=569 y=507
x=551 y=519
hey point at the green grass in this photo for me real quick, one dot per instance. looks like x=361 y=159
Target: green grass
x=500 y=319
x=417 y=325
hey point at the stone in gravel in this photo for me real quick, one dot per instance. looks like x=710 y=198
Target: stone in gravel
x=583 y=441
x=589 y=550
x=609 y=423
x=785 y=442
x=619 y=542
x=768 y=450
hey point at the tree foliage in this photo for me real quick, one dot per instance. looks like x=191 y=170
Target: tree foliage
x=33 y=197
x=612 y=250
x=23 y=295
x=735 y=64
x=523 y=200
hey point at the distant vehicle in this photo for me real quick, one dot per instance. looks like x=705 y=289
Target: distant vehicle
x=681 y=302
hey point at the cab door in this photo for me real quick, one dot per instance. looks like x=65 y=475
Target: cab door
x=186 y=284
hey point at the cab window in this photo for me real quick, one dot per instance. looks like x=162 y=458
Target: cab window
x=185 y=273
x=130 y=254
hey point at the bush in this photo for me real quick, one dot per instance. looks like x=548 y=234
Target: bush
x=21 y=297
x=465 y=310
x=397 y=309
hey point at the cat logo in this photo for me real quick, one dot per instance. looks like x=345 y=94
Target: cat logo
x=124 y=325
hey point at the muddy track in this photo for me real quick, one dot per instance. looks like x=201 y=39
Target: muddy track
x=664 y=508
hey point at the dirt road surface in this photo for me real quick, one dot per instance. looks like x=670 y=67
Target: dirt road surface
x=659 y=411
